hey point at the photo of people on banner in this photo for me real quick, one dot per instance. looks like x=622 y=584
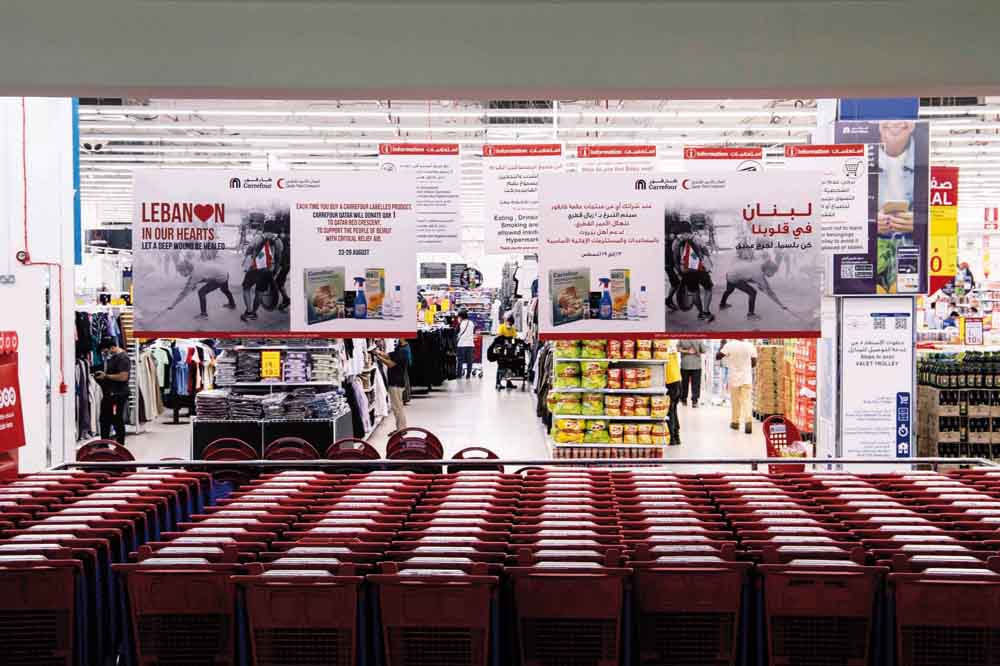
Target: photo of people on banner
x=743 y=255
x=898 y=173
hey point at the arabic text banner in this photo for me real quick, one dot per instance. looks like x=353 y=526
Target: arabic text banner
x=601 y=257
x=510 y=185
x=211 y=251
x=354 y=257
x=844 y=197
x=715 y=159
x=437 y=168
x=943 y=227
x=743 y=255
x=601 y=158
x=898 y=179
x=877 y=377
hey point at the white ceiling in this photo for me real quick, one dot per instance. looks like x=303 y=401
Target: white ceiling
x=344 y=135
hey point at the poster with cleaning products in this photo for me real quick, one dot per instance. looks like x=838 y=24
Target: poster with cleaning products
x=511 y=174
x=353 y=257
x=601 y=258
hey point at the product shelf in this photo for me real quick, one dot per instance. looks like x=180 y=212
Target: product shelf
x=644 y=361
x=276 y=383
x=598 y=417
x=251 y=348
x=642 y=391
x=579 y=445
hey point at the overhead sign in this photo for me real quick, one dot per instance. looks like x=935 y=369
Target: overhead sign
x=615 y=159
x=898 y=186
x=723 y=158
x=437 y=168
x=510 y=187
x=11 y=417
x=943 y=232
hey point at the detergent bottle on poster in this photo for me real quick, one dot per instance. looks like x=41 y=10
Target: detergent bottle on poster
x=643 y=303
x=394 y=306
x=360 y=301
x=605 y=310
x=633 y=307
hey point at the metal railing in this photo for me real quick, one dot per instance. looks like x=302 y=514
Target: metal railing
x=822 y=464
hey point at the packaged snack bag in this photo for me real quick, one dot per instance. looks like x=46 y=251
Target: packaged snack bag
x=643 y=349
x=628 y=348
x=658 y=406
x=594 y=349
x=659 y=433
x=568 y=437
x=567 y=349
x=592 y=404
x=628 y=406
x=597 y=432
x=631 y=434
x=660 y=344
x=644 y=377
x=614 y=378
x=616 y=432
x=594 y=374
x=630 y=378
x=642 y=405
x=569 y=425
x=568 y=403
x=614 y=348
x=567 y=374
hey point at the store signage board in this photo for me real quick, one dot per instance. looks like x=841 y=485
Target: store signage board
x=11 y=417
x=973 y=331
x=741 y=254
x=603 y=158
x=455 y=274
x=510 y=188
x=844 y=197
x=943 y=231
x=896 y=259
x=723 y=158
x=270 y=365
x=876 y=377
x=262 y=238
x=433 y=270
x=437 y=168
x=991 y=219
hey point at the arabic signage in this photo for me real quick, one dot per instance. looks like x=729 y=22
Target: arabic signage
x=898 y=179
x=877 y=377
x=228 y=254
x=991 y=219
x=732 y=268
x=11 y=418
x=600 y=263
x=943 y=227
x=510 y=187
x=844 y=198
x=437 y=168
x=270 y=365
x=615 y=159
x=723 y=158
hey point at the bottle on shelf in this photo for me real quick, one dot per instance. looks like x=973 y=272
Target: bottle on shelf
x=360 y=300
x=605 y=310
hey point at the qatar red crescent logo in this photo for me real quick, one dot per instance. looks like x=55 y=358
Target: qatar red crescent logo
x=280 y=183
x=684 y=183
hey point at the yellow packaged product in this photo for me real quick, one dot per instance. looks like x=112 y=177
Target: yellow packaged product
x=630 y=434
x=568 y=437
x=643 y=349
x=592 y=404
x=569 y=425
x=643 y=377
x=658 y=406
x=567 y=349
x=616 y=433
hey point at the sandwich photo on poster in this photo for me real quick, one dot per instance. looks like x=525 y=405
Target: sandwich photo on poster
x=212 y=252
x=600 y=259
x=898 y=184
x=743 y=255
x=353 y=257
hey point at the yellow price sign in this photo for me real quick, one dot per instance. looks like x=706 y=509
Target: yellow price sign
x=270 y=365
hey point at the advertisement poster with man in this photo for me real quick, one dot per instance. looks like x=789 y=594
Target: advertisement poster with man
x=743 y=256
x=898 y=185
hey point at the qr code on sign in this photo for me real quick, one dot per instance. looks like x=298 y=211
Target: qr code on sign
x=901 y=323
x=879 y=323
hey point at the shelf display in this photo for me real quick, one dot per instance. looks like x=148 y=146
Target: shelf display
x=958 y=405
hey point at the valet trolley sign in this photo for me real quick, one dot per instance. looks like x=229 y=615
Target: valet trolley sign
x=11 y=419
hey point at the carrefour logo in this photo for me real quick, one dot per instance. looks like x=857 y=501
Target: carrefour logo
x=8 y=397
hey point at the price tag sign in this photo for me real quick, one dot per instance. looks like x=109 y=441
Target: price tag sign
x=973 y=331
x=270 y=365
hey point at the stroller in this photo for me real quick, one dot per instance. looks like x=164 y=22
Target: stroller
x=511 y=357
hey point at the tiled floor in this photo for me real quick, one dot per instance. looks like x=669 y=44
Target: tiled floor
x=472 y=413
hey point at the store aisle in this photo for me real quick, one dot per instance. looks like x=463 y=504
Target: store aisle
x=472 y=413
x=705 y=433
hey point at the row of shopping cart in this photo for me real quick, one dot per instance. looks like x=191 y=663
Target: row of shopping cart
x=567 y=567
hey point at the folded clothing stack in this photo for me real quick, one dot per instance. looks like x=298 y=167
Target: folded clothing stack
x=329 y=405
x=225 y=368
x=248 y=367
x=212 y=404
x=325 y=367
x=274 y=406
x=242 y=406
x=296 y=367
x=296 y=404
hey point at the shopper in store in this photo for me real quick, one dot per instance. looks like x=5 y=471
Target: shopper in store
x=211 y=277
x=114 y=385
x=691 y=352
x=396 y=362
x=740 y=357
x=507 y=328
x=466 y=343
x=672 y=379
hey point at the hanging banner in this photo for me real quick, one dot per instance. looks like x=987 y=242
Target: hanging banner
x=510 y=188
x=943 y=227
x=214 y=251
x=722 y=158
x=437 y=168
x=898 y=179
x=844 y=197
x=876 y=377
x=353 y=254
x=743 y=255
x=11 y=418
x=615 y=159
x=600 y=263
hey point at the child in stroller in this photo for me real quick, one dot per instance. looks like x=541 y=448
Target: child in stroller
x=511 y=357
